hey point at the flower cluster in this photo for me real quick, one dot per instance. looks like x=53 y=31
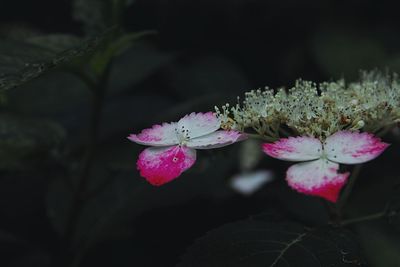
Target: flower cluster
x=318 y=110
x=321 y=124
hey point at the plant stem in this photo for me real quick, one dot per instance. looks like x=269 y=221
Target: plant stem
x=85 y=169
x=370 y=217
x=333 y=211
x=284 y=132
x=257 y=136
x=78 y=201
x=385 y=130
x=349 y=187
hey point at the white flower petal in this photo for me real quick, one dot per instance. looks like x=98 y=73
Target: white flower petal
x=317 y=178
x=197 y=124
x=249 y=182
x=300 y=148
x=215 y=139
x=250 y=154
x=353 y=147
x=158 y=135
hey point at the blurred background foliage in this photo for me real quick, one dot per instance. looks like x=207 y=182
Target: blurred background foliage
x=149 y=61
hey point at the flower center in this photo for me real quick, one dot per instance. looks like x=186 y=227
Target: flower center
x=183 y=135
x=324 y=155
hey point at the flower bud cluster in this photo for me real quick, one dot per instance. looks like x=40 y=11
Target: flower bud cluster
x=319 y=110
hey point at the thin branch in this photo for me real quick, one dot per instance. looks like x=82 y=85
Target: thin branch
x=385 y=130
x=349 y=187
x=370 y=217
x=262 y=137
x=87 y=162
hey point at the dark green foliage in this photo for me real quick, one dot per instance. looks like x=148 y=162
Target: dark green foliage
x=26 y=142
x=29 y=255
x=199 y=55
x=115 y=197
x=260 y=244
x=98 y=15
x=21 y=62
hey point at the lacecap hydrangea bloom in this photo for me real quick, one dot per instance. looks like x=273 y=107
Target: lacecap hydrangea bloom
x=319 y=125
x=173 y=145
x=318 y=110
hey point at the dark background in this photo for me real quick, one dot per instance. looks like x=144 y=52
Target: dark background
x=205 y=53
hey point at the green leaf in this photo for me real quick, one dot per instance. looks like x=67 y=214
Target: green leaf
x=55 y=42
x=116 y=196
x=16 y=251
x=380 y=243
x=60 y=93
x=25 y=142
x=259 y=243
x=21 y=62
x=206 y=74
x=341 y=52
x=136 y=64
x=127 y=40
x=115 y=46
x=98 y=15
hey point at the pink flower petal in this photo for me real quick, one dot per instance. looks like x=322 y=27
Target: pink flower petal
x=294 y=148
x=162 y=165
x=317 y=178
x=353 y=147
x=158 y=135
x=215 y=139
x=197 y=124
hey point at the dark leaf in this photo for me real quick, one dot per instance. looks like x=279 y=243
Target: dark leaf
x=116 y=197
x=116 y=44
x=21 y=62
x=17 y=252
x=24 y=142
x=97 y=15
x=380 y=243
x=341 y=52
x=261 y=244
x=207 y=75
x=136 y=64
x=55 y=42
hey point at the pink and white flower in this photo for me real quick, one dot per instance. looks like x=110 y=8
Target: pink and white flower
x=318 y=174
x=174 y=145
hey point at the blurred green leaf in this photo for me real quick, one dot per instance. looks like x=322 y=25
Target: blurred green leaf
x=205 y=75
x=60 y=93
x=345 y=52
x=17 y=252
x=21 y=62
x=117 y=195
x=260 y=243
x=63 y=95
x=98 y=15
x=126 y=40
x=55 y=42
x=115 y=46
x=24 y=142
x=381 y=245
x=16 y=55
x=6 y=237
x=136 y=64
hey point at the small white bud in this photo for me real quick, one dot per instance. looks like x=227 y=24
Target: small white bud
x=360 y=123
x=354 y=102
